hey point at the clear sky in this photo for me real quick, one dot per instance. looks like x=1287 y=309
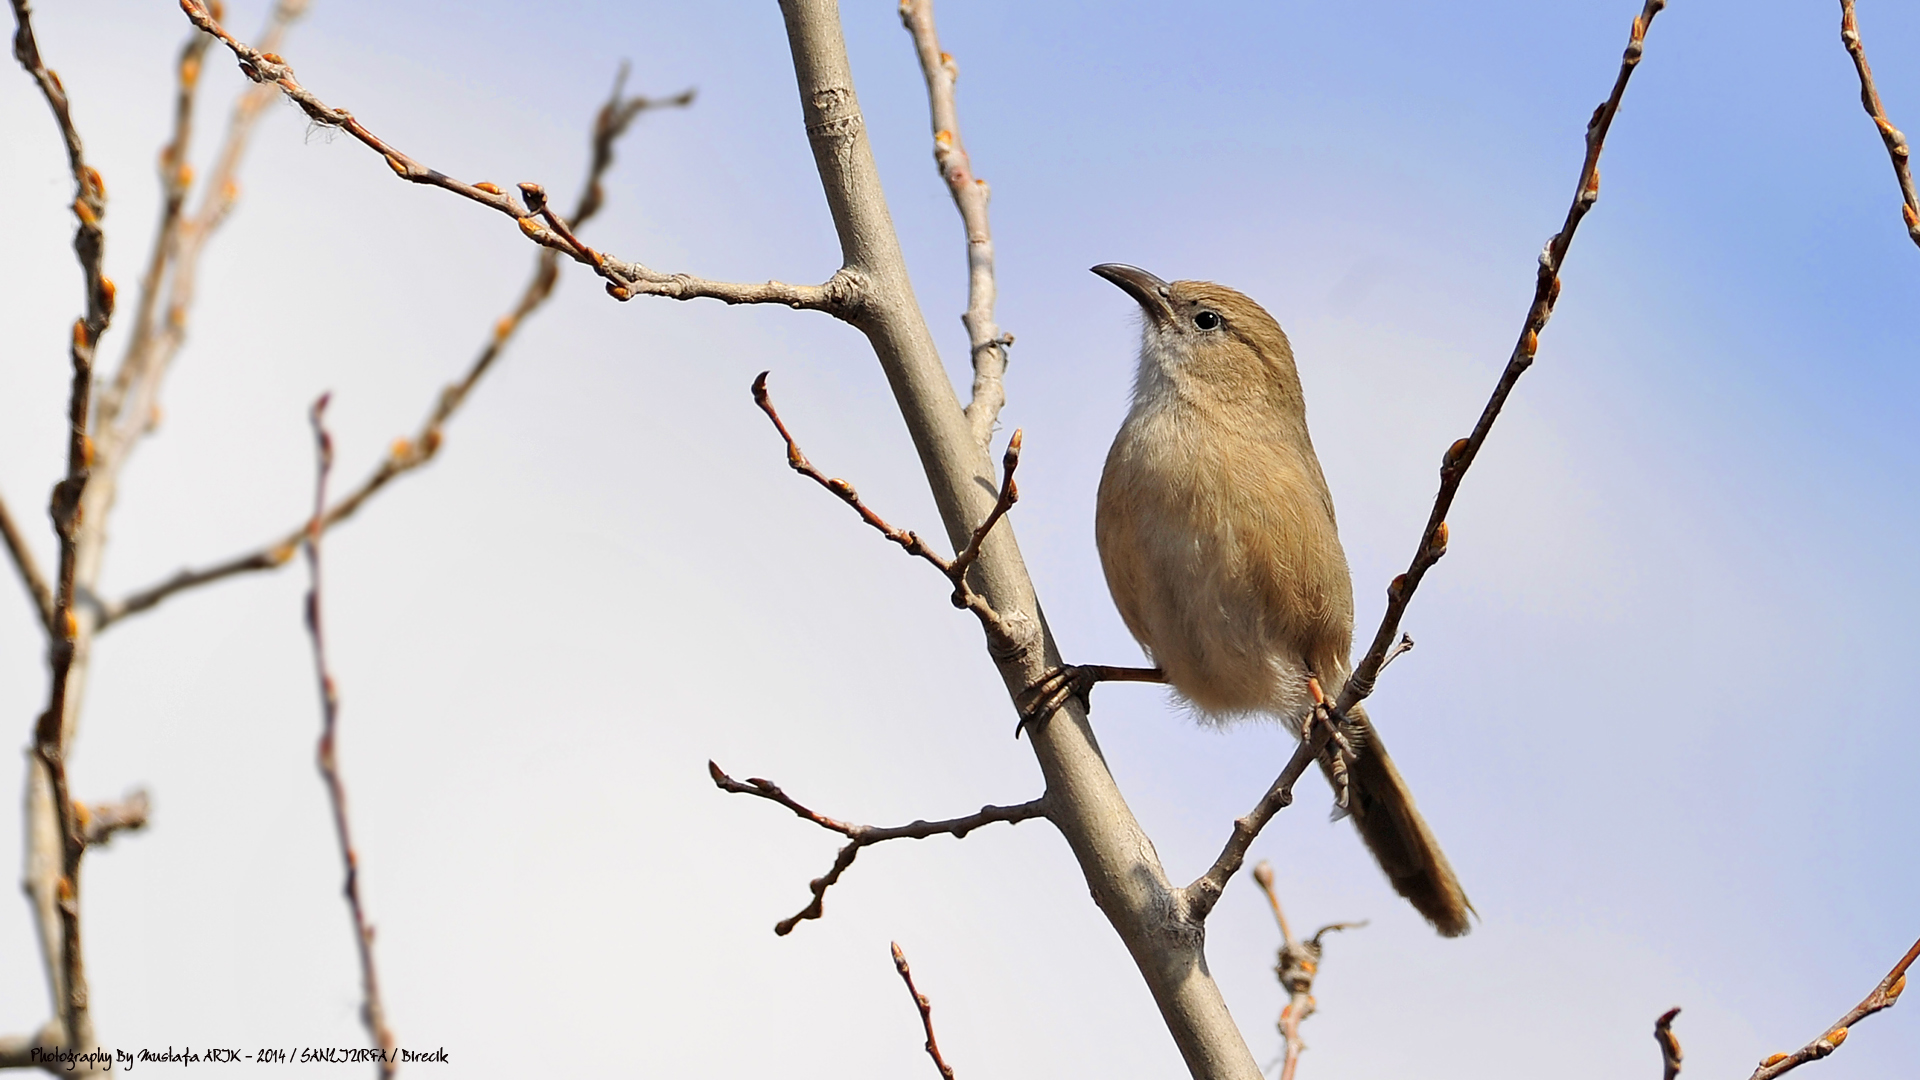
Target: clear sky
x=1661 y=711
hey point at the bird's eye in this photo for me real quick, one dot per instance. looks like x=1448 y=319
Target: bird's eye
x=1206 y=320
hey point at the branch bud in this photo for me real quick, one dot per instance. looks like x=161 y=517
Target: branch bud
x=1454 y=454
x=491 y=189
x=1772 y=1060
x=1837 y=1036
x=535 y=195
x=1894 y=991
x=1396 y=587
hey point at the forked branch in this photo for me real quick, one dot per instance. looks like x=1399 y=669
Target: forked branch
x=839 y=295
x=615 y=116
x=859 y=836
x=954 y=569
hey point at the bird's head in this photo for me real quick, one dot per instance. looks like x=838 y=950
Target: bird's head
x=1201 y=338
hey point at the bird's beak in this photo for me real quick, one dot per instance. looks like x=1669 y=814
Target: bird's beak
x=1150 y=291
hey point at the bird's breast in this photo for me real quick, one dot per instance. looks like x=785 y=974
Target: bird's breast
x=1219 y=546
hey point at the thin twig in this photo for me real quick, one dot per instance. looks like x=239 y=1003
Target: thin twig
x=1870 y=100
x=51 y=731
x=1205 y=890
x=955 y=569
x=28 y=566
x=1546 y=291
x=373 y=1012
x=129 y=403
x=839 y=295
x=1883 y=997
x=859 y=836
x=1670 y=1054
x=926 y=1011
x=408 y=454
x=985 y=343
x=100 y=822
x=1296 y=965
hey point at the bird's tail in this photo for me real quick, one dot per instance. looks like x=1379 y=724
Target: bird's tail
x=1398 y=836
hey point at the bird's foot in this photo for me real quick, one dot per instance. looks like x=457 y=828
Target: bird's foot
x=1055 y=688
x=1340 y=750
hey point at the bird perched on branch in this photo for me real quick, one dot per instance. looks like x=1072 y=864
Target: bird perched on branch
x=1217 y=535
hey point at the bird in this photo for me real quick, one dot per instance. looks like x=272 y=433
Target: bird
x=1217 y=536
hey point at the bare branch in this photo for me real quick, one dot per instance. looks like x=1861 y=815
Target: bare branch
x=373 y=1012
x=1546 y=292
x=859 y=836
x=1892 y=136
x=100 y=822
x=1263 y=876
x=408 y=454
x=985 y=343
x=955 y=570
x=29 y=568
x=839 y=296
x=62 y=893
x=1670 y=1054
x=1205 y=890
x=36 y=1051
x=926 y=1011
x=129 y=404
x=1296 y=965
x=1883 y=997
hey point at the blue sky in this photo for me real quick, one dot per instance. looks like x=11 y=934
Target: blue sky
x=1660 y=711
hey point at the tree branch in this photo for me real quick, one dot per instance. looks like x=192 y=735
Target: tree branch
x=921 y=1003
x=101 y=822
x=955 y=569
x=373 y=1012
x=1546 y=292
x=839 y=295
x=1670 y=1054
x=1870 y=100
x=1884 y=996
x=56 y=892
x=859 y=836
x=616 y=115
x=1296 y=965
x=985 y=343
x=129 y=404
x=29 y=568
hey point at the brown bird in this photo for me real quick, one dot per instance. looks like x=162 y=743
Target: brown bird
x=1217 y=534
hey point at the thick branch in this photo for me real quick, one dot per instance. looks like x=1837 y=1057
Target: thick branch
x=1892 y=136
x=1884 y=996
x=373 y=1011
x=28 y=566
x=408 y=454
x=1546 y=291
x=985 y=343
x=921 y=1003
x=838 y=296
x=859 y=836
